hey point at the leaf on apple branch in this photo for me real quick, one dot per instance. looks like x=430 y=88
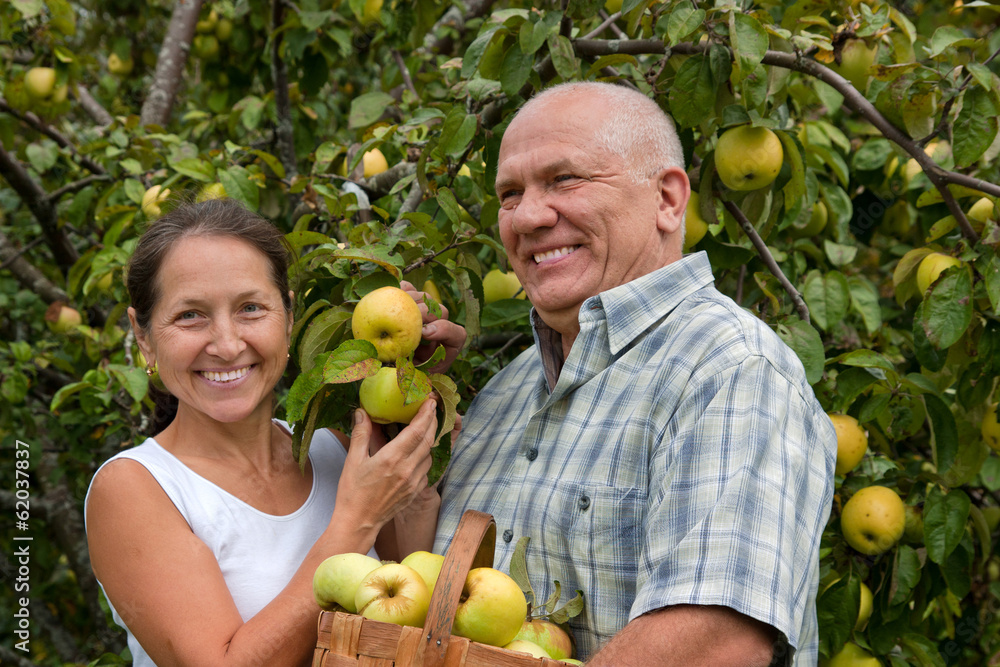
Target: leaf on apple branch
x=519 y=573
x=352 y=360
x=436 y=357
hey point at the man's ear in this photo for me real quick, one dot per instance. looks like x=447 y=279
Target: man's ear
x=674 y=190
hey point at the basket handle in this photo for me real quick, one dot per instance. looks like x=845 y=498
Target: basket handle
x=472 y=546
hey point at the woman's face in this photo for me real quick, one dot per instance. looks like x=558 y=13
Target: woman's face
x=219 y=332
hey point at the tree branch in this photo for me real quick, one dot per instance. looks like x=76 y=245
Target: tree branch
x=38 y=124
x=939 y=177
x=76 y=186
x=800 y=304
x=407 y=80
x=31 y=278
x=93 y=107
x=170 y=63
x=282 y=103
x=41 y=207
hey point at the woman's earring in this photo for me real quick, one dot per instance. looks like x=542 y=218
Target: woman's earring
x=151 y=370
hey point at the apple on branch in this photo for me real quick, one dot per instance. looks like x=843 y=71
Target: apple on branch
x=873 y=520
x=748 y=158
x=389 y=319
x=384 y=401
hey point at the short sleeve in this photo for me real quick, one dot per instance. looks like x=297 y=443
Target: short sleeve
x=745 y=472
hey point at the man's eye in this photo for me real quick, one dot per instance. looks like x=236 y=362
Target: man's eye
x=564 y=177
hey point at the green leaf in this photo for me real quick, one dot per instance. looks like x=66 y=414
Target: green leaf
x=906 y=570
x=446 y=200
x=352 y=360
x=42 y=156
x=982 y=530
x=573 y=608
x=795 y=189
x=873 y=154
x=563 y=56
x=923 y=650
x=199 y=170
x=865 y=359
x=692 y=97
x=519 y=568
x=828 y=298
x=944 y=432
x=134 y=190
x=29 y=8
x=516 y=69
x=944 y=37
x=133 y=380
x=326 y=327
x=976 y=126
x=946 y=311
x=837 y=609
x=865 y=302
x=945 y=517
x=65 y=391
x=683 y=21
x=368 y=108
x=303 y=389
x=750 y=42
x=805 y=341
x=239 y=187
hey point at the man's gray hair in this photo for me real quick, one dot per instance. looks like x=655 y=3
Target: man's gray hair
x=635 y=129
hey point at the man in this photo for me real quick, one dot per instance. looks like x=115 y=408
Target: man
x=659 y=444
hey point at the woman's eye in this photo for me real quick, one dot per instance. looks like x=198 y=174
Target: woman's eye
x=189 y=315
x=251 y=308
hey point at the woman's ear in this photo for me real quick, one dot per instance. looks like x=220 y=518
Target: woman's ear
x=141 y=339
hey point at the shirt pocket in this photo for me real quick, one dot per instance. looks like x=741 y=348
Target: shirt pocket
x=595 y=533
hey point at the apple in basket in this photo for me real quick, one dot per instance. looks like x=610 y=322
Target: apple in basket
x=394 y=593
x=491 y=609
x=427 y=564
x=337 y=578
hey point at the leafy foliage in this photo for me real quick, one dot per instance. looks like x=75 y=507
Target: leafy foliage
x=277 y=105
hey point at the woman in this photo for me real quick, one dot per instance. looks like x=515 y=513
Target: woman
x=205 y=538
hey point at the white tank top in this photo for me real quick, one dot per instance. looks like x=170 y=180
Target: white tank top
x=257 y=552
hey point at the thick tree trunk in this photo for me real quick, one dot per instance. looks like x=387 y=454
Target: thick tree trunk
x=170 y=63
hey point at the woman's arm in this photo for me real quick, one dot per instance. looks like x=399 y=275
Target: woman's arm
x=167 y=586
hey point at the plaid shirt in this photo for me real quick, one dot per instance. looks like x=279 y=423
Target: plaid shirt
x=678 y=457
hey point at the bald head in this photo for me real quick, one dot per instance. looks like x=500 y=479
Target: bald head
x=633 y=126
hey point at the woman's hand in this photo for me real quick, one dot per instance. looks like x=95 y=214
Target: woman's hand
x=381 y=478
x=436 y=331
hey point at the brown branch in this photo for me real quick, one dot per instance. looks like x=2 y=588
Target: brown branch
x=76 y=186
x=380 y=184
x=407 y=79
x=282 y=102
x=800 y=304
x=426 y=259
x=946 y=111
x=26 y=273
x=939 y=177
x=38 y=124
x=41 y=207
x=170 y=63
x=93 y=107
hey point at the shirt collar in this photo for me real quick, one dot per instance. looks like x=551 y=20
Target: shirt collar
x=632 y=308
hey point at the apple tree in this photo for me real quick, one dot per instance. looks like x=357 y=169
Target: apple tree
x=368 y=132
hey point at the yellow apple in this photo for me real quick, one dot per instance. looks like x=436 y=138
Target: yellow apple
x=980 y=212
x=748 y=158
x=694 y=225
x=524 y=646
x=855 y=61
x=374 y=162
x=372 y=12
x=431 y=288
x=61 y=318
x=465 y=171
x=555 y=641
x=571 y=661
x=389 y=319
x=428 y=565
x=40 y=83
x=393 y=593
x=852 y=442
x=853 y=655
x=816 y=223
x=118 y=66
x=499 y=285
x=990 y=428
x=382 y=398
x=873 y=520
x=613 y=6
x=152 y=199
x=864 y=608
x=931 y=267
x=211 y=191
x=337 y=579
x=491 y=609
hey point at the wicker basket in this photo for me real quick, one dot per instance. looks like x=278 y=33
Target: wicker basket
x=349 y=640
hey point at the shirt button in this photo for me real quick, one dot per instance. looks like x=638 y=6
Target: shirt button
x=508 y=535
x=584 y=502
x=532 y=454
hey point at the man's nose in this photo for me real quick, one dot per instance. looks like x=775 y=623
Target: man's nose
x=534 y=211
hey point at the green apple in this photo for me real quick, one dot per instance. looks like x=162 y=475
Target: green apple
x=224 y=30
x=383 y=400
x=372 y=12
x=205 y=47
x=931 y=267
x=864 y=608
x=913 y=529
x=748 y=158
x=694 y=225
x=553 y=639
x=40 y=83
x=428 y=565
x=498 y=285
x=852 y=442
x=207 y=24
x=852 y=655
x=524 y=646
x=992 y=516
x=613 y=6
x=119 y=66
x=816 y=223
x=389 y=319
x=856 y=59
x=990 y=428
x=491 y=608
x=394 y=593
x=873 y=520
x=571 y=661
x=337 y=579
x=980 y=212
x=61 y=318
x=374 y=162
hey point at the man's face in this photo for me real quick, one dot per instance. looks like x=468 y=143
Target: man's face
x=572 y=221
